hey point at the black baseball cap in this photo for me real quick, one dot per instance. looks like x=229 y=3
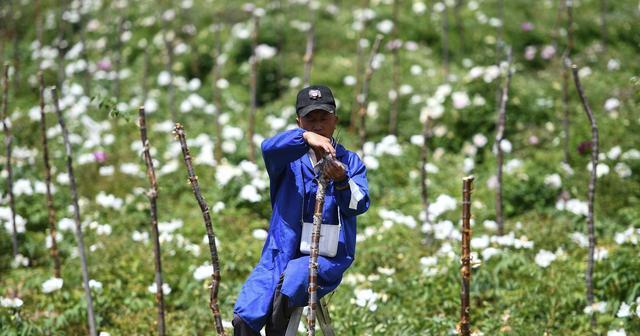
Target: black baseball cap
x=315 y=97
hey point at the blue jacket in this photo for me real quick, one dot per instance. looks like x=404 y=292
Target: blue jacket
x=293 y=189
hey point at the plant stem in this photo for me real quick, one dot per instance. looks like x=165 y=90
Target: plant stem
x=215 y=276
x=76 y=212
x=153 y=197
x=465 y=270
x=47 y=177
x=592 y=190
x=504 y=96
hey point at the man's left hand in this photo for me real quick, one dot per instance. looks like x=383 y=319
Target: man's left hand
x=335 y=170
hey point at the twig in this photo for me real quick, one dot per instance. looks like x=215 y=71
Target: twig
x=76 y=212
x=364 y=97
x=215 y=276
x=499 y=137
x=153 y=197
x=465 y=321
x=47 y=178
x=315 y=250
x=8 y=141
x=254 y=88
x=311 y=42
x=592 y=190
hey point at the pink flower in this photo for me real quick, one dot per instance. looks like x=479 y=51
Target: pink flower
x=547 y=52
x=100 y=156
x=530 y=53
x=526 y=26
x=104 y=64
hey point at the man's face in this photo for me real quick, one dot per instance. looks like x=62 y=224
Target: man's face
x=319 y=121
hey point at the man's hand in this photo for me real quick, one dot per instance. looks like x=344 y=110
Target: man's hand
x=335 y=170
x=319 y=143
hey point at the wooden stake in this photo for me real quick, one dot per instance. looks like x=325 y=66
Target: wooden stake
x=47 y=178
x=215 y=276
x=153 y=197
x=315 y=250
x=465 y=321
x=8 y=142
x=592 y=190
x=76 y=212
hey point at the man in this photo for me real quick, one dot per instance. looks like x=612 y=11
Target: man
x=280 y=281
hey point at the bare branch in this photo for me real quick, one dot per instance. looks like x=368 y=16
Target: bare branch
x=153 y=197
x=215 y=276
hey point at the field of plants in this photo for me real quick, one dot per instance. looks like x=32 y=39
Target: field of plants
x=426 y=90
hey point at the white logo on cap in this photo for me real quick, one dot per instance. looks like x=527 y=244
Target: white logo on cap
x=315 y=94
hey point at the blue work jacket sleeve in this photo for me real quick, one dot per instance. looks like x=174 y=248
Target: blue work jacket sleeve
x=352 y=194
x=282 y=149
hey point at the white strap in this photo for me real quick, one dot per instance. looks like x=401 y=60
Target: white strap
x=356 y=195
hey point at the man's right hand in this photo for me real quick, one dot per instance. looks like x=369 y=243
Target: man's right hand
x=319 y=143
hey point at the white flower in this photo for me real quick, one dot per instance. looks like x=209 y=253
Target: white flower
x=442 y=204
x=490 y=252
x=544 y=258
x=505 y=145
x=480 y=242
x=203 y=272
x=614 y=152
x=349 y=80
x=580 y=239
x=169 y=227
x=19 y=260
x=619 y=332
x=460 y=99
x=622 y=169
x=385 y=26
x=366 y=298
x=479 y=140
x=140 y=236
x=264 y=52
x=596 y=307
x=611 y=104
x=52 y=285
x=22 y=187
x=490 y=225
x=386 y=271
x=419 y=7
x=601 y=169
x=10 y=302
x=109 y=201
x=166 y=289
x=250 y=193
x=259 y=234
x=95 y=284
x=164 y=78
x=624 y=311
x=575 y=206
x=104 y=333
x=104 y=230
x=613 y=64
x=553 y=181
